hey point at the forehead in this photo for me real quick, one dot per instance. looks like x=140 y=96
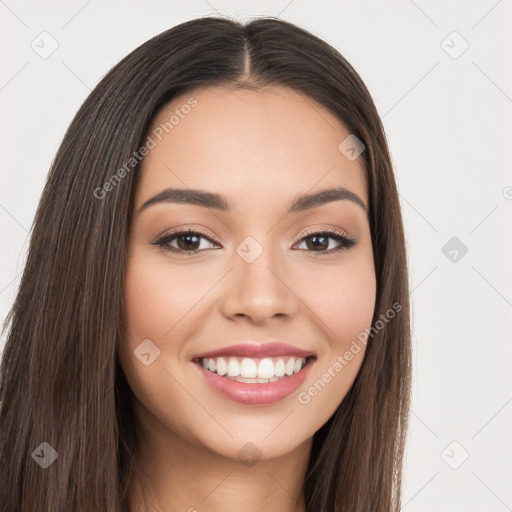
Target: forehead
x=268 y=143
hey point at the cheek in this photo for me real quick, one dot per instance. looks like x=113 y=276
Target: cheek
x=355 y=306
x=157 y=298
x=149 y=306
x=151 y=311
x=154 y=304
x=343 y=300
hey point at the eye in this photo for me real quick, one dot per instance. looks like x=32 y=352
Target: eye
x=190 y=241
x=319 y=241
x=185 y=241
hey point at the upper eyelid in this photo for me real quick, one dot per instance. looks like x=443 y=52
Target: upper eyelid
x=334 y=231
x=181 y=231
x=310 y=232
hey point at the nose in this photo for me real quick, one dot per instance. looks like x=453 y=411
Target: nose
x=259 y=290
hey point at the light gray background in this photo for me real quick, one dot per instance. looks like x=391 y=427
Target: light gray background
x=448 y=124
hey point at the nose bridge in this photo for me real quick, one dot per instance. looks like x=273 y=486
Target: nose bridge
x=257 y=286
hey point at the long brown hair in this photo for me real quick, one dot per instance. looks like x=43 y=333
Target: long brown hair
x=60 y=378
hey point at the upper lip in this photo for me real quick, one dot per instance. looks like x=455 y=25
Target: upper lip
x=256 y=350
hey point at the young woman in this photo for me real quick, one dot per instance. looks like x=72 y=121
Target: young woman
x=214 y=313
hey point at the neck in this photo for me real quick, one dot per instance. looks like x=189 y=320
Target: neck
x=175 y=474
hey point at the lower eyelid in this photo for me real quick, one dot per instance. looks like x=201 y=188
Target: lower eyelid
x=343 y=241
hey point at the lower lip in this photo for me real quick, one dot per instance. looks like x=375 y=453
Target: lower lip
x=255 y=394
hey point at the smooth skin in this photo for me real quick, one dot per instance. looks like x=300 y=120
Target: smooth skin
x=261 y=149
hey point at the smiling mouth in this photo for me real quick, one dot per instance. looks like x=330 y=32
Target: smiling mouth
x=255 y=370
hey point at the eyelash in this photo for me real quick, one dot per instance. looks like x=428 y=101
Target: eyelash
x=345 y=242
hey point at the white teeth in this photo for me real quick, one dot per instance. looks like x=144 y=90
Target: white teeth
x=254 y=381
x=266 y=368
x=250 y=381
x=289 y=366
x=248 y=368
x=279 y=368
x=254 y=370
x=233 y=368
x=222 y=366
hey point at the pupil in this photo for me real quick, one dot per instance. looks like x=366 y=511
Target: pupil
x=188 y=241
x=316 y=244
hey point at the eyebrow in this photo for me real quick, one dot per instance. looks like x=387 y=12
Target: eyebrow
x=221 y=202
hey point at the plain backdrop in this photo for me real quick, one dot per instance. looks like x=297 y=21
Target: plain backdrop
x=440 y=75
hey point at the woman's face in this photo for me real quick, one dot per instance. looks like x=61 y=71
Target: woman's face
x=258 y=274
